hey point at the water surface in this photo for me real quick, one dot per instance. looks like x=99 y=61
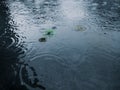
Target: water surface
x=59 y=45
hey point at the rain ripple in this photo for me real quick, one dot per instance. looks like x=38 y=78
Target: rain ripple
x=48 y=56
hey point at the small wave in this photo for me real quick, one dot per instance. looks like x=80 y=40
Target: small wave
x=48 y=56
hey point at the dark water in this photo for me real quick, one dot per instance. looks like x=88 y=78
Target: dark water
x=59 y=45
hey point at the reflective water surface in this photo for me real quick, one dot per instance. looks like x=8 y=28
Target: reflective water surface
x=59 y=45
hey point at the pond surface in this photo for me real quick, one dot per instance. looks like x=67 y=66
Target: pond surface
x=59 y=45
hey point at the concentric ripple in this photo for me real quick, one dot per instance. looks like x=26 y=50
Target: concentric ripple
x=29 y=78
x=9 y=41
x=48 y=56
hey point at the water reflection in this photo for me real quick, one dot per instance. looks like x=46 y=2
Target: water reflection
x=10 y=49
x=61 y=45
x=13 y=69
x=108 y=14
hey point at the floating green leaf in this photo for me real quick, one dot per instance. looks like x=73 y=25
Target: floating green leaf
x=49 y=32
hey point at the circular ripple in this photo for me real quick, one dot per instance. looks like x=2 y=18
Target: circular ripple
x=28 y=77
x=8 y=41
x=48 y=56
x=12 y=42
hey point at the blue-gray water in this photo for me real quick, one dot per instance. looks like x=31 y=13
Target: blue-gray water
x=59 y=44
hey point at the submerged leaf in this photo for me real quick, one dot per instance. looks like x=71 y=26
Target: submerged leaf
x=80 y=28
x=43 y=39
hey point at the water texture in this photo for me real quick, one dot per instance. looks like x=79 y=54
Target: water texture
x=59 y=45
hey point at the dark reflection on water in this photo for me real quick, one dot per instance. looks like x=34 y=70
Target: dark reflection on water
x=8 y=52
x=12 y=69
